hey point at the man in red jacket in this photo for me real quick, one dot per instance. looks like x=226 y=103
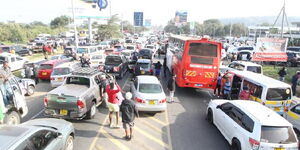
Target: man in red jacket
x=113 y=102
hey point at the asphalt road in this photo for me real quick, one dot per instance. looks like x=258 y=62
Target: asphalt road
x=181 y=127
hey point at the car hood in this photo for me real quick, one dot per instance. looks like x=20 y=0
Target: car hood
x=59 y=124
x=70 y=89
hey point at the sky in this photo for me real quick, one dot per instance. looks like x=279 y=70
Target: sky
x=159 y=11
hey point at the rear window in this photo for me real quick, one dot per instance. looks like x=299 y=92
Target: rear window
x=151 y=47
x=125 y=53
x=128 y=41
x=203 y=49
x=150 y=88
x=201 y=60
x=130 y=47
x=113 y=60
x=97 y=57
x=117 y=47
x=277 y=94
x=82 y=50
x=39 y=44
x=144 y=52
x=245 y=48
x=78 y=81
x=45 y=66
x=61 y=71
x=281 y=135
x=2 y=59
x=256 y=69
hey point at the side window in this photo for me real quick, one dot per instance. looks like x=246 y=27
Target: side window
x=255 y=90
x=12 y=59
x=296 y=109
x=41 y=139
x=97 y=79
x=226 y=107
x=231 y=65
x=247 y=123
x=18 y=58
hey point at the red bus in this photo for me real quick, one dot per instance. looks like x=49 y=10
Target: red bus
x=195 y=62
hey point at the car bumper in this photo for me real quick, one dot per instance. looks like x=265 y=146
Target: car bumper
x=144 y=107
x=77 y=115
x=56 y=84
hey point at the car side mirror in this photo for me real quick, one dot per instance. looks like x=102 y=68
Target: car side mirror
x=219 y=107
x=15 y=88
x=58 y=135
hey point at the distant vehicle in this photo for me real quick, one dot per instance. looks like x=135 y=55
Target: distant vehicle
x=38 y=134
x=77 y=97
x=118 y=48
x=293 y=59
x=116 y=65
x=148 y=94
x=61 y=72
x=128 y=54
x=38 y=47
x=292 y=114
x=15 y=62
x=22 y=50
x=12 y=104
x=97 y=59
x=129 y=41
x=195 y=62
x=146 y=54
x=244 y=55
x=268 y=91
x=248 y=125
x=293 y=49
x=69 y=50
x=6 y=49
x=245 y=66
x=27 y=85
x=46 y=68
x=87 y=50
x=61 y=58
x=145 y=67
x=130 y=47
x=152 y=47
x=103 y=45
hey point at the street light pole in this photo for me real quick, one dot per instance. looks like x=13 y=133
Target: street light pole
x=75 y=28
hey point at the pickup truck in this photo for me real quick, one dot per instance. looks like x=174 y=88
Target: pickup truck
x=77 y=97
x=116 y=65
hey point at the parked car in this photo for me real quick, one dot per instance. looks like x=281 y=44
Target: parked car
x=243 y=66
x=249 y=125
x=22 y=50
x=148 y=94
x=116 y=65
x=293 y=59
x=6 y=48
x=146 y=54
x=97 y=59
x=61 y=72
x=77 y=97
x=87 y=50
x=61 y=58
x=27 y=85
x=15 y=62
x=293 y=49
x=38 y=47
x=46 y=68
x=145 y=67
x=38 y=134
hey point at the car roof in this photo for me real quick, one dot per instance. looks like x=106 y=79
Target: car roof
x=143 y=60
x=64 y=65
x=260 y=112
x=50 y=62
x=261 y=79
x=5 y=54
x=12 y=134
x=147 y=79
x=246 y=63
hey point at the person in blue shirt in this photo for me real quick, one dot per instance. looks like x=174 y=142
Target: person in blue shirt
x=218 y=87
x=227 y=89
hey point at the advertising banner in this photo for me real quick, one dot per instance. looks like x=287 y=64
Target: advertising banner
x=270 y=49
x=180 y=17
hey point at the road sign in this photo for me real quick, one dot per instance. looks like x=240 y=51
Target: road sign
x=181 y=16
x=138 y=18
x=102 y=4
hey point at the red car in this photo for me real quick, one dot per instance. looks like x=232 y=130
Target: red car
x=46 y=69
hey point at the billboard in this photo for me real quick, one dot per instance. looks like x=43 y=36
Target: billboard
x=138 y=18
x=147 y=22
x=180 y=17
x=270 y=49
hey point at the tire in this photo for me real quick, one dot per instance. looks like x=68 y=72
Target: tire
x=30 y=90
x=91 y=113
x=209 y=117
x=235 y=145
x=69 y=143
x=12 y=118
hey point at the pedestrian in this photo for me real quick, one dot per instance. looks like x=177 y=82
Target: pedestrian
x=282 y=73
x=171 y=88
x=245 y=93
x=218 y=87
x=35 y=73
x=113 y=102
x=129 y=112
x=103 y=84
x=157 y=69
x=165 y=66
x=227 y=89
x=45 y=52
x=295 y=82
x=6 y=69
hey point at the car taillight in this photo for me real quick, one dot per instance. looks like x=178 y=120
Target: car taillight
x=52 y=79
x=116 y=69
x=139 y=100
x=163 y=101
x=254 y=144
x=80 y=104
x=151 y=70
x=45 y=101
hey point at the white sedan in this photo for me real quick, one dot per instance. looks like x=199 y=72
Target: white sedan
x=97 y=59
x=148 y=94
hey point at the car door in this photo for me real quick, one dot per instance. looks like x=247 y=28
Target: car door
x=46 y=140
x=221 y=118
x=293 y=116
x=13 y=64
x=19 y=62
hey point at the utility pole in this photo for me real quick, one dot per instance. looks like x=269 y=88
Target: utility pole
x=284 y=17
x=75 y=29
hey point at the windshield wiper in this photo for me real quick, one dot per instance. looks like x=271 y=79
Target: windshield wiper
x=46 y=126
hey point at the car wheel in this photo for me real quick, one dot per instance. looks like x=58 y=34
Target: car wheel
x=91 y=113
x=235 y=145
x=30 y=90
x=69 y=143
x=209 y=116
x=12 y=118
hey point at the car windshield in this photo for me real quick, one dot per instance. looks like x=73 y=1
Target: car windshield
x=82 y=50
x=151 y=47
x=78 y=81
x=256 y=69
x=278 y=94
x=61 y=71
x=45 y=66
x=97 y=57
x=113 y=60
x=270 y=134
x=126 y=53
x=130 y=47
x=144 y=52
x=150 y=88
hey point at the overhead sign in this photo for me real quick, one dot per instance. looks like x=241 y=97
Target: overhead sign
x=270 y=49
x=180 y=17
x=138 y=18
x=147 y=22
x=102 y=4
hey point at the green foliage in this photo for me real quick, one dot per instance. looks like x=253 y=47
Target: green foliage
x=59 y=22
x=111 y=29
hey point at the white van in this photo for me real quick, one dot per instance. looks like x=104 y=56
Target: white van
x=12 y=101
x=268 y=91
x=62 y=71
x=245 y=66
x=15 y=62
x=87 y=50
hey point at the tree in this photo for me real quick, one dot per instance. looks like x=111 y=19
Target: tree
x=127 y=26
x=111 y=29
x=171 y=27
x=213 y=27
x=237 y=29
x=37 y=23
x=61 y=21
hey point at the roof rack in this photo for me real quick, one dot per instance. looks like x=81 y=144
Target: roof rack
x=85 y=71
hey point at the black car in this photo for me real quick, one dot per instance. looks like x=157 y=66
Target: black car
x=146 y=54
x=116 y=65
x=293 y=49
x=293 y=59
x=22 y=50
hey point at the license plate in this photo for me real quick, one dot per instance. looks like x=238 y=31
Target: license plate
x=276 y=108
x=152 y=102
x=142 y=72
x=199 y=85
x=279 y=149
x=63 y=112
x=44 y=73
x=94 y=62
x=59 y=79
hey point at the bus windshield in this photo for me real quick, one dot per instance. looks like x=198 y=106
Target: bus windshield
x=278 y=94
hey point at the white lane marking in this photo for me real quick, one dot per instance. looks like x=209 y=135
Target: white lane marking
x=209 y=94
x=37 y=114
